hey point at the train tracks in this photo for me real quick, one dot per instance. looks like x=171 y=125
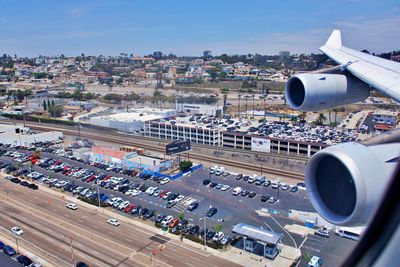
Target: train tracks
x=145 y=143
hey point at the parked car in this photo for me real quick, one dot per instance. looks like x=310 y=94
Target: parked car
x=24 y=260
x=192 y=206
x=252 y=194
x=284 y=187
x=323 y=231
x=173 y=223
x=218 y=236
x=272 y=200
x=211 y=212
x=264 y=198
x=294 y=189
x=225 y=240
x=8 y=250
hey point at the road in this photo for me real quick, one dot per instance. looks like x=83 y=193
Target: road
x=54 y=232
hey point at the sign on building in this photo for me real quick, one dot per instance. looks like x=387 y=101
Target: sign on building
x=177 y=147
x=260 y=144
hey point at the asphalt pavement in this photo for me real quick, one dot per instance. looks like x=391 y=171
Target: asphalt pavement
x=231 y=209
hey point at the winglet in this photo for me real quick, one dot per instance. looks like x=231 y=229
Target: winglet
x=335 y=40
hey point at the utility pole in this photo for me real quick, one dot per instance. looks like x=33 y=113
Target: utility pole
x=98 y=194
x=16 y=241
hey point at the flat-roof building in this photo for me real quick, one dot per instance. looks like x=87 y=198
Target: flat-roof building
x=126 y=121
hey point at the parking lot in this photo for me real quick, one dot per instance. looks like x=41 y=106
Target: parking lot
x=231 y=209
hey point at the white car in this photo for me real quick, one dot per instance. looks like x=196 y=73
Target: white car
x=179 y=198
x=129 y=192
x=166 y=220
x=218 y=236
x=123 y=205
x=284 y=187
x=114 y=222
x=225 y=187
x=136 y=192
x=165 y=180
x=17 y=231
x=113 y=200
x=150 y=189
x=72 y=206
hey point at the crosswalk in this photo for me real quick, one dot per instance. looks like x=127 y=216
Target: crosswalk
x=182 y=205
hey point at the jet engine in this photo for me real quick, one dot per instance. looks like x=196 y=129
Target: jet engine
x=345 y=182
x=318 y=91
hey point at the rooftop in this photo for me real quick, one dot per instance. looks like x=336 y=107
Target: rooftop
x=131 y=117
x=256 y=233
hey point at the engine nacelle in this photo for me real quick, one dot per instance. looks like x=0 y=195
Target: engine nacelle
x=346 y=182
x=318 y=91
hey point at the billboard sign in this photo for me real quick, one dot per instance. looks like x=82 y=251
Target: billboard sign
x=260 y=145
x=177 y=147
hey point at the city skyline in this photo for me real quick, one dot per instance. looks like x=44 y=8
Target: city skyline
x=109 y=28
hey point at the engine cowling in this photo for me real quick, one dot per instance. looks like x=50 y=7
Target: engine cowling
x=318 y=91
x=345 y=182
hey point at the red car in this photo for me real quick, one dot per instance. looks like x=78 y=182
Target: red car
x=162 y=194
x=91 y=178
x=107 y=177
x=129 y=208
x=173 y=223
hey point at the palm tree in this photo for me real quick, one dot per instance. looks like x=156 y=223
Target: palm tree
x=335 y=110
x=217 y=228
x=224 y=91
x=329 y=116
x=320 y=120
x=264 y=97
x=302 y=116
x=253 y=96
x=239 y=96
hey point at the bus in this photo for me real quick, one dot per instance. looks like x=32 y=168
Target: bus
x=350 y=233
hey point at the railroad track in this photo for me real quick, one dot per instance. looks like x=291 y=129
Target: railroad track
x=128 y=140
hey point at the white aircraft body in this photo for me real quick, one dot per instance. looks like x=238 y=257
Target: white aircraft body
x=348 y=83
x=346 y=182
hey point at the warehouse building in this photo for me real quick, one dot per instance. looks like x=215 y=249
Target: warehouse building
x=128 y=121
x=205 y=109
x=22 y=136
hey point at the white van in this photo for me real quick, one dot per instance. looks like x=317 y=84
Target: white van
x=237 y=191
x=350 y=233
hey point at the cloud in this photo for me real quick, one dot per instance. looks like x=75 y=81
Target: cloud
x=79 y=11
x=375 y=35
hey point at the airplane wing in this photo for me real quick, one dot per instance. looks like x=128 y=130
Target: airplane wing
x=380 y=73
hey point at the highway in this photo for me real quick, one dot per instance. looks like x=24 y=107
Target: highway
x=62 y=236
x=160 y=147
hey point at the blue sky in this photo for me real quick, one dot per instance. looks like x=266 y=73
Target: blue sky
x=187 y=27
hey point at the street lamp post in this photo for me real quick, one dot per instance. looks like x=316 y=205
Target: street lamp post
x=16 y=242
x=205 y=232
x=98 y=194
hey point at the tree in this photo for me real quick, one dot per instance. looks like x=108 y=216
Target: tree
x=185 y=165
x=52 y=102
x=224 y=91
x=44 y=105
x=113 y=98
x=217 y=227
x=48 y=103
x=181 y=216
x=77 y=95
x=303 y=117
x=56 y=110
x=320 y=119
